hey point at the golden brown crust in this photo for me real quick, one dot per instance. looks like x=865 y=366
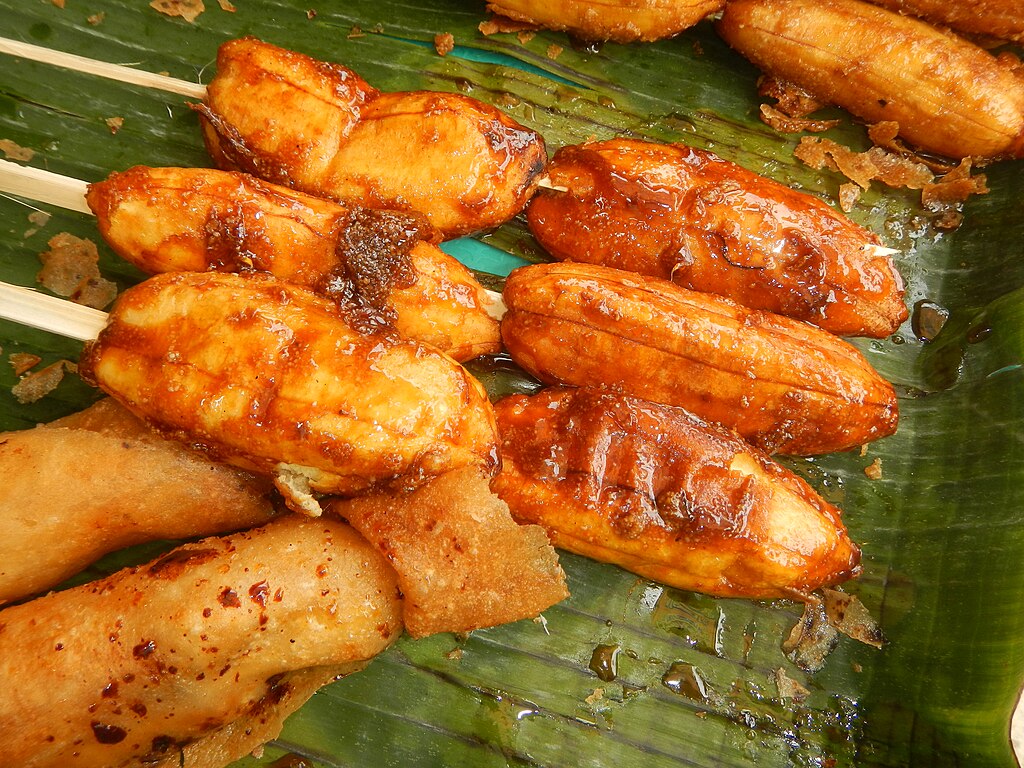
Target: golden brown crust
x=462 y=163
x=198 y=219
x=1003 y=19
x=270 y=377
x=621 y=21
x=462 y=561
x=785 y=385
x=686 y=215
x=652 y=488
x=155 y=657
x=948 y=96
x=99 y=481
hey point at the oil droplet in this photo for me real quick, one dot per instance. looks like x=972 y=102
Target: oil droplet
x=928 y=319
x=684 y=679
x=979 y=333
x=604 y=662
x=585 y=46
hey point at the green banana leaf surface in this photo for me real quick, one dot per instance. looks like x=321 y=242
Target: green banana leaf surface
x=697 y=681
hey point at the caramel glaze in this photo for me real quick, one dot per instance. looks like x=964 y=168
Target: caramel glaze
x=1003 y=19
x=656 y=490
x=321 y=129
x=387 y=262
x=686 y=215
x=265 y=375
x=787 y=386
x=151 y=659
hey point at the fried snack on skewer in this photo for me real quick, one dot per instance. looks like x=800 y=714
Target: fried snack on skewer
x=948 y=96
x=274 y=379
x=95 y=482
x=621 y=21
x=198 y=219
x=462 y=561
x=786 y=386
x=154 y=658
x=1003 y=19
x=322 y=129
x=661 y=493
x=707 y=224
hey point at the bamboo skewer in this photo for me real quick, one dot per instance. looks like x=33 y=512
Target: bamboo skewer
x=117 y=72
x=48 y=313
x=67 y=192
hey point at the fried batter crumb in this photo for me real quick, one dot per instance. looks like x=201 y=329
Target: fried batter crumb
x=70 y=269
x=23 y=362
x=114 y=124
x=37 y=385
x=226 y=5
x=188 y=10
x=554 y=51
x=96 y=19
x=444 y=43
x=14 y=151
x=500 y=25
x=873 y=471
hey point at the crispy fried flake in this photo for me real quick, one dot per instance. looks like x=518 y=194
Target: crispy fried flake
x=444 y=43
x=14 y=151
x=36 y=386
x=23 y=362
x=70 y=269
x=785 y=124
x=189 y=10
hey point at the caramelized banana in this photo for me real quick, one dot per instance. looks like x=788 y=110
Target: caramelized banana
x=659 y=492
x=786 y=386
x=1003 y=19
x=621 y=21
x=688 y=216
x=320 y=128
x=197 y=219
x=274 y=379
x=947 y=95
x=156 y=658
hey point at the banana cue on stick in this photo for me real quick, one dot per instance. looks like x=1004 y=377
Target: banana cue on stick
x=948 y=95
x=685 y=215
x=198 y=219
x=320 y=128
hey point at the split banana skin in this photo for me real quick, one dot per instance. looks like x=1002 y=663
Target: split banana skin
x=303 y=327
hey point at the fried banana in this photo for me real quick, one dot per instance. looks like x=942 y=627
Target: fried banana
x=621 y=21
x=272 y=378
x=948 y=95
x=1002 y=19
x=197 y=219
x=654 y=489
x=100 y=481
x=322 y=129
x=689 y=216
x=786 y=386
x=153 y=659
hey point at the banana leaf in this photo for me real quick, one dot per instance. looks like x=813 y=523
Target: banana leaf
x=697 y=681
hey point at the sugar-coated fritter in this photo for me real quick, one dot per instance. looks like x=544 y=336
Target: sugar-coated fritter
x=787 y=386
x=199 y=219
x=99 y=481
x=661 y=493
x=272 y=378
x=948 y=95
x=152 y=659
x=322 y=129
x=1003 y=19
x=686 y=215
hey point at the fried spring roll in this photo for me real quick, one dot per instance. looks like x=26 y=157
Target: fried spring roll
x=462 y=561
x=621 y=21
x=154 y=658
x=659 y=492
x=688 y=216
x=947 y=95
x=320 y=128
x=99 y=481
x=786 y=386
x=198 y=219
x=274 y=379
x=1003 y=19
